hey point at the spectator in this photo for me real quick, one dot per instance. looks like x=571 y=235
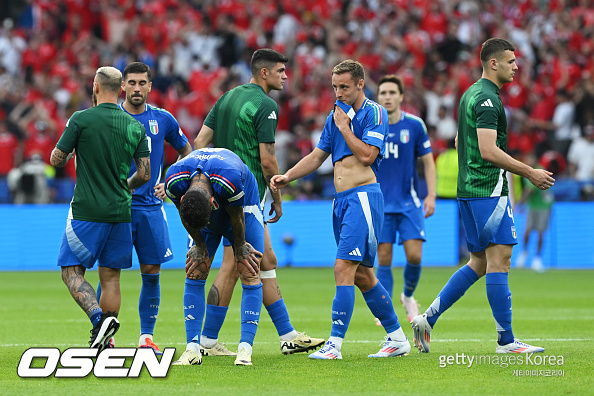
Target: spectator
x=28 y=183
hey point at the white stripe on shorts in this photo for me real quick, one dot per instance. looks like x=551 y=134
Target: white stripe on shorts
x=367 y=212
x=77 y=247
x=256 y=211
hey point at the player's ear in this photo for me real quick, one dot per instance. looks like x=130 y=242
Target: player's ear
x=493 y=63
x=150 y=85
x=263 y=73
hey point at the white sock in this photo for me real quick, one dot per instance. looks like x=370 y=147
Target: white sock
x=193 y=346
x=244 y=345
x=397 y=335
x=337 y=341
x=143 y=338
x=208 y=342
x=289 y=336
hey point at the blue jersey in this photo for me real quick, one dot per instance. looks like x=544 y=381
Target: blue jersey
x=160 y=125
x=232 y=182
x=369 y=123
x=407 y=140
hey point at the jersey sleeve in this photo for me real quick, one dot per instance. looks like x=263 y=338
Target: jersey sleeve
x=228 y=187
x=142 y=150
x=487 y=109
x=175 y=135
x=211 y=118
x=266 y=120
x=177 y=182
x=70 y=135
x=423 y=144
x=375 y=128
x=325 y=143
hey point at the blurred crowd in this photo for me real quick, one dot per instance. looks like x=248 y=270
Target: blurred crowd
x=198 y=49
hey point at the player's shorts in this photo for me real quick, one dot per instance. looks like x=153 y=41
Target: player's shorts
x=487 y=220
x=85 y=242
x=408 y=225
x=357 y=220
x=538 y=219
x=150 y=235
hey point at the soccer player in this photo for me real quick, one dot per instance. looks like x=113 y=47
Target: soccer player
x=149 y=223
x=244 y=121
x=98 y=226
x=213 y=189
x=483 y=199
x=355 y=134
x=407 y=140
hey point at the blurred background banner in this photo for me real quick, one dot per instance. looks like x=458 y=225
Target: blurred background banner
x=30 y=236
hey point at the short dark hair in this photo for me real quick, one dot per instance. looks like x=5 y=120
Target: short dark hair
x=137 y=68
x=195 y=208
x=266 y=58
x=393 y=79
x=495 y=47
x=350 y=66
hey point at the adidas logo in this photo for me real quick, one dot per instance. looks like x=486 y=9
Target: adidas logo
x=168 y=253
x=486 y=103
x=355 y=252
x=189 y=317
x=272 y=115
x=338 y=322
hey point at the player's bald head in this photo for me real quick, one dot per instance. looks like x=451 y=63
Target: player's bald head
x=109 y=78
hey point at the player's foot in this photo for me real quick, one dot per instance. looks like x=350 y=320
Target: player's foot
x=219 y=349
x=148 y=343
x=410 y=306
x=301 y=343
x=392 y=348
x=102 y=333
x=422 y=332
x=328 y=351
x=378 y=322
x=537 y=264
x=517 y=347
x=521 y=261
x=244 y=357
x=188 y=358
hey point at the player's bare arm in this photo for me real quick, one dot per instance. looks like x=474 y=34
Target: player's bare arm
x=487 y=139
x=246 y=257
x=60 y=158
x=430 y=177
x=142 y=174
x=204 y=137
x=364 y=152
x=160 y=188
x=308 y=164
x=270 y=168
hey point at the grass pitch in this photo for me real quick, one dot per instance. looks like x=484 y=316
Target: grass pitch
x=551 y=310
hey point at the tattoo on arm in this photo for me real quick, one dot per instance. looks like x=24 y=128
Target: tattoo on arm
x=213 y=296
x=82 y=292
x=59 y=158
x=142 y=174
x=270 y=148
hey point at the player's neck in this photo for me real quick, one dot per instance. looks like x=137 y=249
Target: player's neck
x=493 y=79
x=261 y=83
x=394 y=116
x=130 y=108
x=359 y=101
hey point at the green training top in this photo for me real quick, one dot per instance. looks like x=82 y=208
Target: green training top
x=480 y=107
x=243 y=118
x=106 y=139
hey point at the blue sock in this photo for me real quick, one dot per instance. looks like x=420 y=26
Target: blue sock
x=194 y=307
x=411 y=274
x=386 y=278
x=95 y=316
x=98 y=292
x=251 y=303
x=499 y=298
x=280 y=317
x=213 y=321
x=148 y=303
x=451 y=292
x=342 y=310
x=379 y=302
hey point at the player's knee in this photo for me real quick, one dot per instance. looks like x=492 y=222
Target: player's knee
x=269 y=261
x=414 y=258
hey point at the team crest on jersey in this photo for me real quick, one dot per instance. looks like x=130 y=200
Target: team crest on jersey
x=513 y=230
x=404 y=136
x=154 y=126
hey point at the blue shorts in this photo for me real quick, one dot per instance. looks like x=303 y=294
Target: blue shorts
x=408 y=225
x=150 y=236
x=487 y=220
x=254 y=232
x=85 y=242
x=357 y=219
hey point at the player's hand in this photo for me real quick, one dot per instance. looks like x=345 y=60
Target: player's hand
x=277 y=182
x=276 y=208
x=429 y=206
x=541 y=178
x=247 y=258
x=160 y=191
x=197 y=266
x=341 y=119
